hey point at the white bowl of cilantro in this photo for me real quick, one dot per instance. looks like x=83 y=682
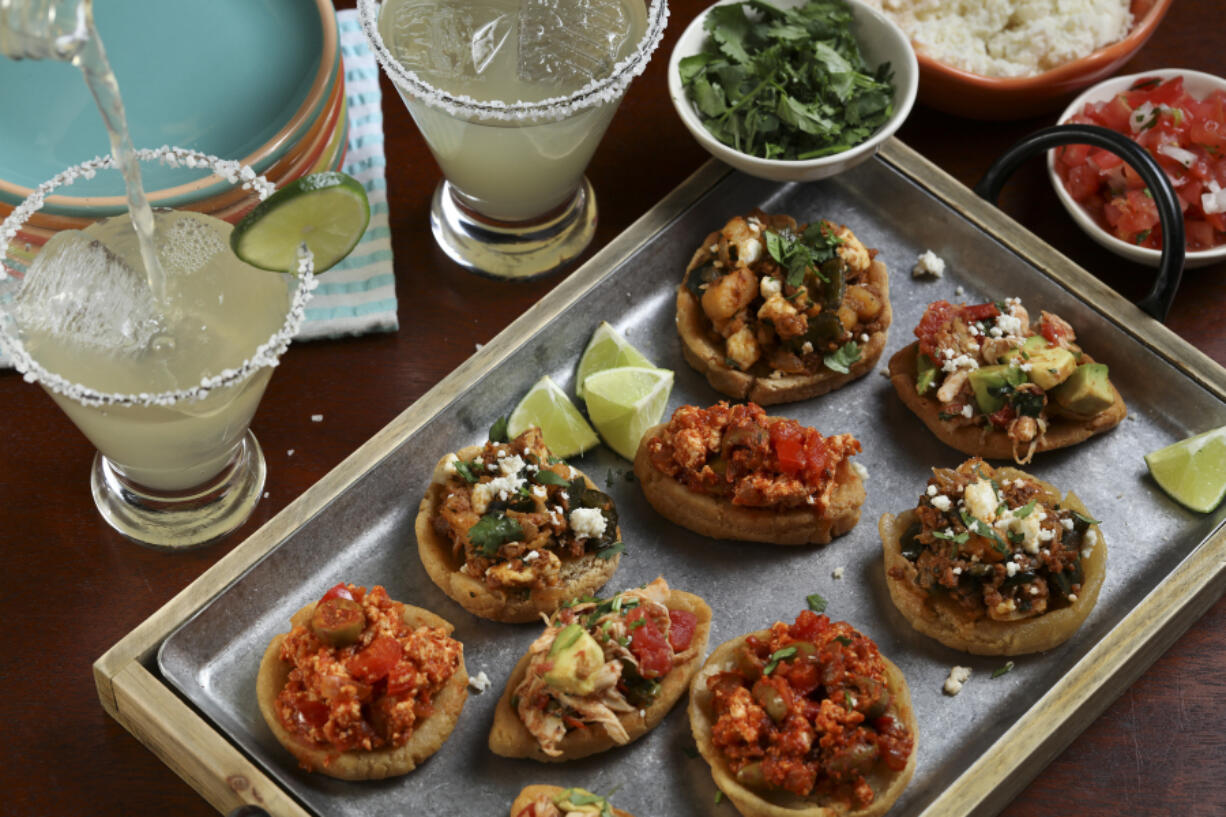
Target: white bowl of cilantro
x=845 y=80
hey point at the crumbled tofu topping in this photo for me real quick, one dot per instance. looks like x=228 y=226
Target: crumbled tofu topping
x=479 y=682
x=587 y=522
x=957 y=677
x=928 y=265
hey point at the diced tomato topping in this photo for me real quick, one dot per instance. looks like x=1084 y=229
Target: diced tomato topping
x=936 y=316
x=313 y=712
x=681 y=626
x=1114 y=194
x=817 y=457
x=376 y=660
x=979 y=312
x=648 y=645
x=787 y=439
x=340 y=591
x=808 y=626
x=1003 y=417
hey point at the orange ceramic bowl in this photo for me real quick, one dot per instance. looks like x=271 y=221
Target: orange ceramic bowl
x=1003 y=98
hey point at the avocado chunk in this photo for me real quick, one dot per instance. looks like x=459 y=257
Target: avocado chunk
x=1087 y=390
x=581 y=801
x=925 y=372
x=1050 y=367
x=1022 y=353
x=576 y=657
x=992 y=385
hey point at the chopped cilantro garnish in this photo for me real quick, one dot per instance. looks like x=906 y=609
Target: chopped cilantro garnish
x=1006 y=668
x=816 y=603
x=547 y=477
x=493 y=531
x=1025 y=510
x=844 y=640
x=956 y=538
x=465 y=470
x=786 y=83
x=778 y=655
x=612 y=550
x=798 y=254
x=498 y=431
x=1086 y=519
x=719 y=797
x=841 y=360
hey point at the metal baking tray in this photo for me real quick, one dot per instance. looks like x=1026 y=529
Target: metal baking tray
x=976 y=750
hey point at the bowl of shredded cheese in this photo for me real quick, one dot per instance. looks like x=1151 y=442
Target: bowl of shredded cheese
x=1011 y=59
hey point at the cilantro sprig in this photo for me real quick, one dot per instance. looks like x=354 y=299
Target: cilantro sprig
x=786 y=83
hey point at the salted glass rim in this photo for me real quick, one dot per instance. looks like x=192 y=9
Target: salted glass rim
x=266 y=354
x=596 y=92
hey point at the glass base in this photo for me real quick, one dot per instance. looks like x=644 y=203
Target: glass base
x=181 y=519
x=513 y=249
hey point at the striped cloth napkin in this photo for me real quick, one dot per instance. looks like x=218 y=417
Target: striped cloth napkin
x=359 y=295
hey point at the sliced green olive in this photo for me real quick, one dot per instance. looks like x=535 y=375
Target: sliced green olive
x=748 y=664
x=835 y=273
x=752 y=776
x=771 y=700
x=338 y=622
x=859 y=758
x=874 y=696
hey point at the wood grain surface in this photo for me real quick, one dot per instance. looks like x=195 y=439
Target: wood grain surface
x=71 y=587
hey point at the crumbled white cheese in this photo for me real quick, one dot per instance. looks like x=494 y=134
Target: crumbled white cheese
x=445 y=468
x=837 y=573
x=807 y=348
x=317 y=418
x=957 y=571
x=860 y=470
x=479 y=682
x=539 y=491
x=502 y=487
x=1067 y=523
x=1072 y=597
x=770 y=287
x=932 y=490
x=587 y=522
x=511 y=464
x=750 y=251
x=864 y=337
x=289 y=453
x=941 y=502
x=968 y=411
x=981 y=500
x=962 y=361
x=957 y=677
x=960 y=291
x=531 y=556
x=1009 y=324
x=929 y=265
x=1011 y=569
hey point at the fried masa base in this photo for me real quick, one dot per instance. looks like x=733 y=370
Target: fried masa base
x=703 y=354
x=939 y=618
x=532 y=793
x=376 y=764
x=987 y=442
x=584 y=575
x=720 y=519
x=887 y=785
x=510 y=738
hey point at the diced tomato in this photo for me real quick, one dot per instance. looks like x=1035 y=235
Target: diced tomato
x=803 y=676
x=935 y=317
x=809 y=626
x=681 y=626
x=313 y=712
x=1074 y=155
x=979 y=312
x=376 y=660
x=1081 y=182
x=648 y=645
x=1200 y=234
x=817 y=457
x=787 y=439
x=1003 y=417
x=340 y=591
x=1104 y=159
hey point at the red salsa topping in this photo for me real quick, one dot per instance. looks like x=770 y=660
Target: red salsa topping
x=367 y=687
x=808 y=710
x=739 y=453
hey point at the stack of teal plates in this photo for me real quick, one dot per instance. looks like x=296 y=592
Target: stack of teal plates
x=257 y=82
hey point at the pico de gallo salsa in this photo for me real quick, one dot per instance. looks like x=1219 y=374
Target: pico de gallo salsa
x=1185 y=135
x=740 y=454
x=808 y=709
x=360 y=677
x=599 y=659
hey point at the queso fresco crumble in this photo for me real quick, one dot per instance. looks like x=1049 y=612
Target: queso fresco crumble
x=1009 y=38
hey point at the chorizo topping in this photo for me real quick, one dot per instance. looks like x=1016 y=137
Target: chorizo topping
x=366 y=690
x=740 y=454
x=988 y=365
x=598 y=658
x=998 y=548
x=808 y=710
x=782 y=297
x=513 y=512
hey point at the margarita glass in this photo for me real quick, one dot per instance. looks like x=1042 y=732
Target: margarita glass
x=512 y=97
x=164 y=387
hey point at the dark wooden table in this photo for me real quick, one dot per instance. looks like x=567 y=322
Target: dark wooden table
x=71 y=587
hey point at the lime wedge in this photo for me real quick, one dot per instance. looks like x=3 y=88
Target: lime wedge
x=563 y=427
x=625 y=402
x=1192 y=471
x=328 y=211
x=607 y=350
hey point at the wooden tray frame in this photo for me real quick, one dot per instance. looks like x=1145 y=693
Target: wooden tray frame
x=133 y=694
